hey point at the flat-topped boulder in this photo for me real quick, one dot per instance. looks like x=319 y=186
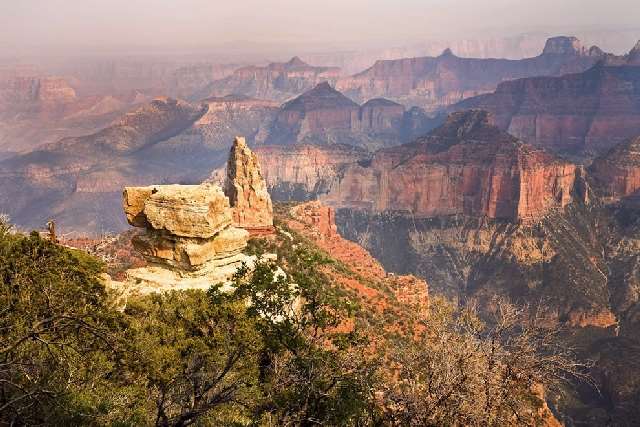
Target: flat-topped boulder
x=182 y=210
x=190 y=240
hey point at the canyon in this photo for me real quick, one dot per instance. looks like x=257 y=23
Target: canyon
x=38 y=109
x=76 y=180
x=469 y=204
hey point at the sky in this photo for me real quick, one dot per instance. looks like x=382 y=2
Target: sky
x=112 y=24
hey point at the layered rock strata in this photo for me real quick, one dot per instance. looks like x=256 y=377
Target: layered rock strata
x=435 y=82
x=246 y=189
x=277 y=81
x=465 y=167
x=189 y=240
x=299 y=172
x=583 y=114
x=617 y=173
x=324 y=116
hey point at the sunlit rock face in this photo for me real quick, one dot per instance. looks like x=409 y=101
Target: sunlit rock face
x=466 y=167
x=189 y=240
x=247 y=190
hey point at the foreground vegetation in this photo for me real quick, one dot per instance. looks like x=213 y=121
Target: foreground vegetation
x=301 y=352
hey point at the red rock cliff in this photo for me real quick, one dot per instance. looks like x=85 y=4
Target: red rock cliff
x=467 y=167
x=617 y=173
x=582 y=114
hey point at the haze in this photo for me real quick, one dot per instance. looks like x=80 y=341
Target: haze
x=45 y=25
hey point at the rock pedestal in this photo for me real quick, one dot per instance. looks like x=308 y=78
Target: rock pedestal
x=246 y=189
x=190 y=241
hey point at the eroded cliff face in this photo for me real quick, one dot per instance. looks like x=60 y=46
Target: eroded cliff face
x=299 y=172
x=578 y=268
x=434 y=82
x=465 y=167
x=317 y=223
x=234 y=115
x=556 y=264
x=582 y=114
x=276 y=81
x=247 y=190
x=25 y=90
x=617 y=173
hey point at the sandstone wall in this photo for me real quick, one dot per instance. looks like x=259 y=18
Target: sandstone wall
x=496 y=177
x=308 y=167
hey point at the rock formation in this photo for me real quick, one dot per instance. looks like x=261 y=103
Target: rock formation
x=276 y=81
x=27 y=89
x=312 y=115
x=189 y=240
x=466 y=166
x=317 y=223
x=324 y=116
x=617 y=173
x=299 y=172
x=234 y=115
x=320 y=218
x=435 y=82
x=582 y=114
x=247 y=190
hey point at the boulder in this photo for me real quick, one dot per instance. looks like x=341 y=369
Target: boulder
x=182 y=210
x=189 y=240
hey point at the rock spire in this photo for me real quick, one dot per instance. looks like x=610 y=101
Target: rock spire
x=246 y=189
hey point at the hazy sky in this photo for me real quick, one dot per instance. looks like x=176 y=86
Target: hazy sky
x=201 y=23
